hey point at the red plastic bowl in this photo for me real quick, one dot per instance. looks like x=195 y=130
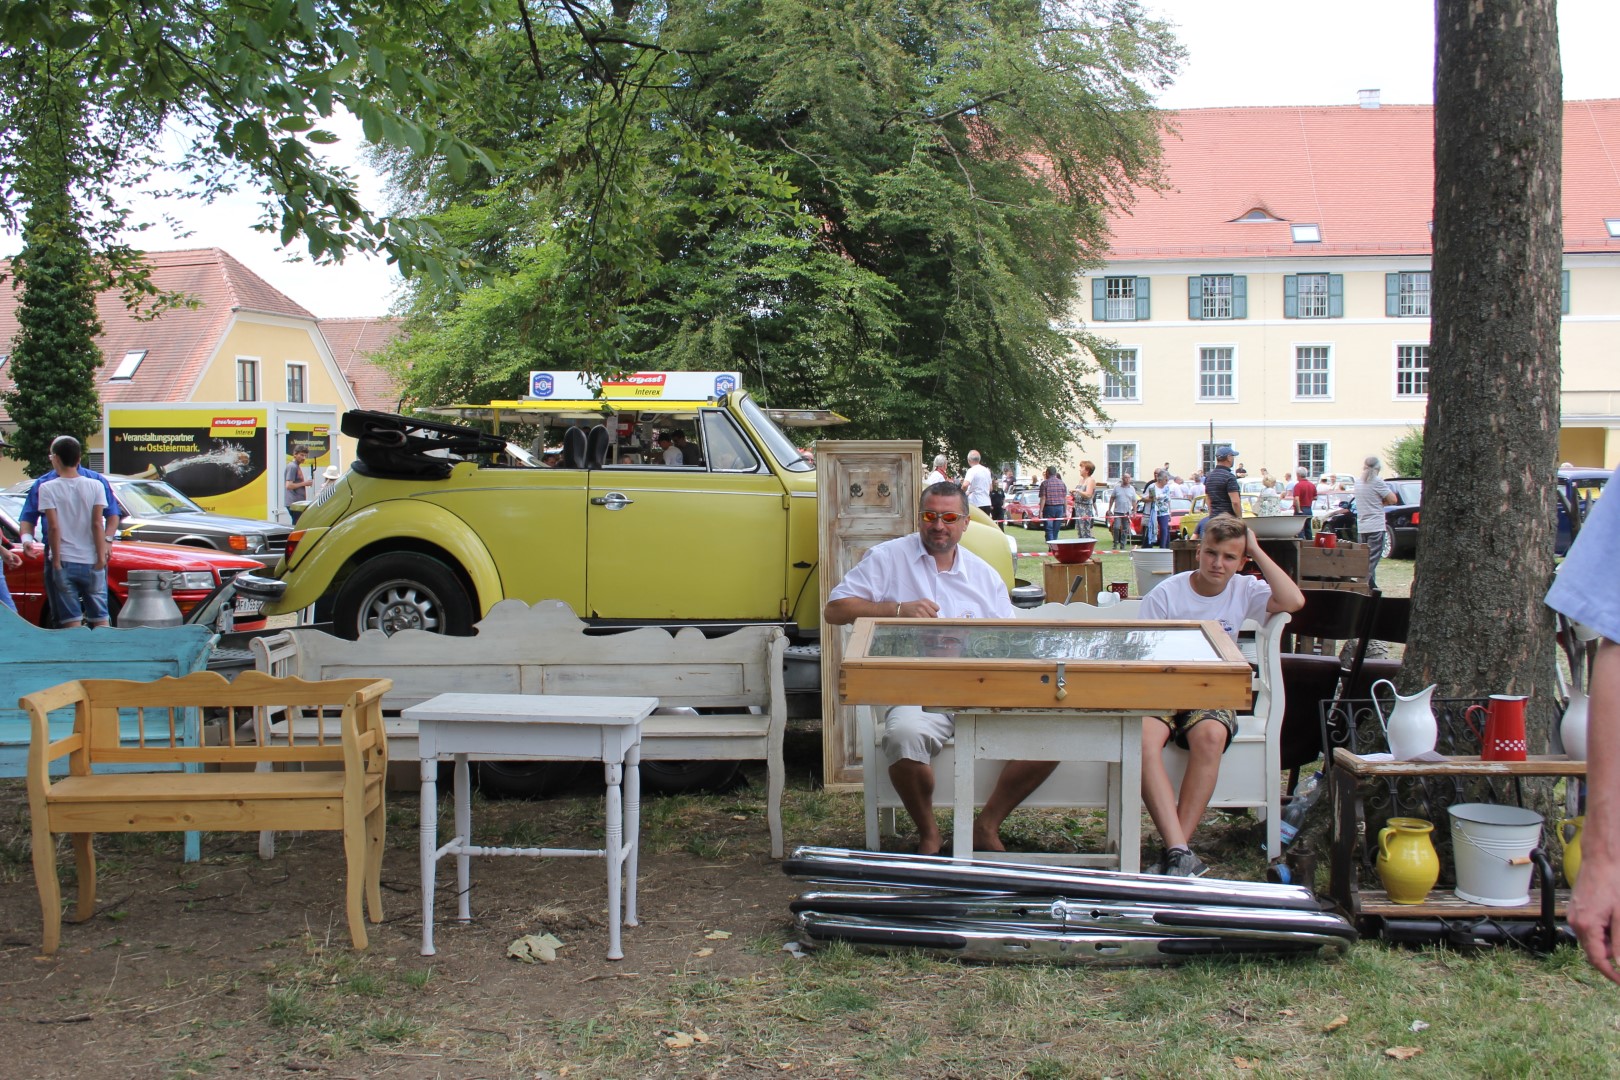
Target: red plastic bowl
x=1071 y=551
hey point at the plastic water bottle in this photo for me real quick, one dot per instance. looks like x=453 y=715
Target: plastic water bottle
x=1305 y=797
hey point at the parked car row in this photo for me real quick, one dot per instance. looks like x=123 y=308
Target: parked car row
x=198 y=572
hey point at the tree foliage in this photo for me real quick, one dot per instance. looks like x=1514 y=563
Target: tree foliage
x=877 y=207
x=1405 y=454
x=244 y=87
x=54 y=356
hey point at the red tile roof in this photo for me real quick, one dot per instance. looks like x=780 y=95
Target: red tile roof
x=1365 y=176
x=354 y=342
x=179 y=342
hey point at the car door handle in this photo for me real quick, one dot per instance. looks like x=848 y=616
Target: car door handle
x=613 y=501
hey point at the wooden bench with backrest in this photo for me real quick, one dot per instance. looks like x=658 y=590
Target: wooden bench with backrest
x=344 y=793
x=1250 y=773
x=33 y=659
x=736 y=678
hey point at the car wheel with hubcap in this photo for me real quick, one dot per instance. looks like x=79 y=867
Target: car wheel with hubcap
x=681 y=777
x=526 y=779
x=403 y=591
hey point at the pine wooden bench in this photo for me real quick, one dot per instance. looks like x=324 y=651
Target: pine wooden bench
x=545 y=649
x=344 y=792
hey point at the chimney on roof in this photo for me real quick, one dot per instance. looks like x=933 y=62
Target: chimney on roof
x=1369 y=98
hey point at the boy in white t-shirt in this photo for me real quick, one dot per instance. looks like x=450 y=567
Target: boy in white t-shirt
x=74 y=507
x=1214 y=591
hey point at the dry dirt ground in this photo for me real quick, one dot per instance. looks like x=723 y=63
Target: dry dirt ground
x=234 y=966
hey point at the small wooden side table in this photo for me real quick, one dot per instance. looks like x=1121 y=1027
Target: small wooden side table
x=1349 y=826
x=532 y=727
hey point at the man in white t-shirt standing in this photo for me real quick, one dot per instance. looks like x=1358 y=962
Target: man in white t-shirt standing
x=927 y=575
x=1214 y=591
x=977 y=482
x=937 y=473
x=73 y=506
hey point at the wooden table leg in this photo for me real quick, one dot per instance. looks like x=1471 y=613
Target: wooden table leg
x=429 y=853
x=463 y=788
x=614 y=855
x=962 y=827
x=632 y=831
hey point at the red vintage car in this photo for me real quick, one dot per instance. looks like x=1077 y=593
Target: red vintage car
x=200 y=571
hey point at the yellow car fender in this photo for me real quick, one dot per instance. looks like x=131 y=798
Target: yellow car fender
x=322 y=553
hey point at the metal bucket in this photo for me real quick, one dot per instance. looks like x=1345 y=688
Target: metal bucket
x=1491 y=846
x=1153 y=566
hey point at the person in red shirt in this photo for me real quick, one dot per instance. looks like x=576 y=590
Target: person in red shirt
x=1304 y=498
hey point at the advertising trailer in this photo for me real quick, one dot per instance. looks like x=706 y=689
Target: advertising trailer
x=230 y=457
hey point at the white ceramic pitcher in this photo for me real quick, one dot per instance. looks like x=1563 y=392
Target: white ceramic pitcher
x=1573 y=728
x=1410 y=726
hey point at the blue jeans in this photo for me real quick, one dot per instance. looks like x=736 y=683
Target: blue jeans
x=81 y=589
x=1053 y=513
x=1164 y=530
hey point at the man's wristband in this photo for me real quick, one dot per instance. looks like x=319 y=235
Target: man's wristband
x=897 y=611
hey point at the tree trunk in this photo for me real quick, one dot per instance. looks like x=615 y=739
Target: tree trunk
x=1491 y=439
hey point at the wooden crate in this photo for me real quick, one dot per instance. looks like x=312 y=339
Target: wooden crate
x=1061 y=577
x=1342 y=568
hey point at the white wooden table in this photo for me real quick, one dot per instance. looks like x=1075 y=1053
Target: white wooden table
x=535 y=727
x=1053 y=735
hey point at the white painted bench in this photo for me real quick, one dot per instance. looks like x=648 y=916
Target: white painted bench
x=1250 y=776
x=736 y=678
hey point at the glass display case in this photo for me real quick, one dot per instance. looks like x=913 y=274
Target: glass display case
x=1022 y=663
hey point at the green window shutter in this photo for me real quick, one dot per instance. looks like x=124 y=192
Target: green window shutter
x=1099 y=300
x=1392 y=294
x=1563 y=292
x=1240 y=296
x=1195 y=297
x=1290 y=296
x=1335 y=296
x=1144 y=306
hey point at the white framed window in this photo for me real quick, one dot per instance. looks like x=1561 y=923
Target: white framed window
x=1411 y=371
x=297 y=382
x=1121 y=460
x=1406 y=295
x=1312 y=457
x=1313 y=296
x=1121 y=299
x=1218 y=296
x=127 y=366
x=1217 y=373
x=1122 y=375
x=247 y=378
x=1206 y=456
x=1313 y=372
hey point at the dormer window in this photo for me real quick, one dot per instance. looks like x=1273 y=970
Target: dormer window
x=1259 y=213
x=126 y=369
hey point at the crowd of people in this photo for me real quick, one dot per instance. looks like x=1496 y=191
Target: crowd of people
x=1144 y=513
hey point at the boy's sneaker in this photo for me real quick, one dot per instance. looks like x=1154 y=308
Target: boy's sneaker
x=1157 y=865
x=1181 y=862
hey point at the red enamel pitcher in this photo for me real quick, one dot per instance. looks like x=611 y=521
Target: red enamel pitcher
x=1503 y=738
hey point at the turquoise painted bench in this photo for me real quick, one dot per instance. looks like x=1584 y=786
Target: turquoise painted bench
x=32 y=660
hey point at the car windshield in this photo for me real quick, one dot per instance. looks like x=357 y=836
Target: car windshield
x=780 y=446
x=153 y=498
x=1410 y=492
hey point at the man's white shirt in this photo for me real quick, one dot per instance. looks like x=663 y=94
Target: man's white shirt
x=977 y=484
x=901 y=570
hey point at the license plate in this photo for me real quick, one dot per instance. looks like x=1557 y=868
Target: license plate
x=247 y=605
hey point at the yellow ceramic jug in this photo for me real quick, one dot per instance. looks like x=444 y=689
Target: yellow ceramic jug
x=1570 y=833
x=1407 y=864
